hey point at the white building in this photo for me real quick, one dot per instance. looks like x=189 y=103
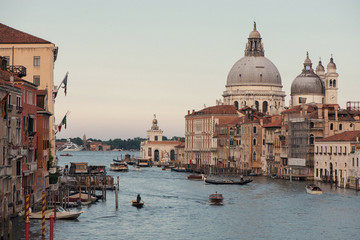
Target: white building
x=335 y=158
x=159 y=151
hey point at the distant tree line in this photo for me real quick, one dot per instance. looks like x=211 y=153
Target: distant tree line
x=116 y=143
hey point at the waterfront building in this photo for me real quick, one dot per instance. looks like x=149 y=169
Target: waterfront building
x=10 y=146
x=155 y=148
x=200 y=144
x=271 y=143
x=97 y=146
x=28 y=108
x=254 y=81
x=43 y=158
x=320 y=87
x=337 y=158
x=38 y=56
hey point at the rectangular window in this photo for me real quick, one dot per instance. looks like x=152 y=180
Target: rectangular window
x=7 y=58
x=36 y=80
x=29 y=97
x=254 y=129
x=353 y=162
x=36 y=61
x=317 y=172
x=357 y=162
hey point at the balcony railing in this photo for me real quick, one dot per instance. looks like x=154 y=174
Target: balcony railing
x=10 y=107
x=19 y=70
x=19 y=109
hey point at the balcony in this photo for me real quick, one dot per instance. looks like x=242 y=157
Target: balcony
x=10 y=107
x=19 y=109
x=5 y=171
x=20 y=71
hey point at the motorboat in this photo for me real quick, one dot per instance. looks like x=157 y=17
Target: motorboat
x=66 y=155
x=137 y=204
x=82 y=197
x=228 y=181
x=143 y=162
x=60 y=214
x=119 y=166
x=313 y=189
x=196 y=177
x=216 y=198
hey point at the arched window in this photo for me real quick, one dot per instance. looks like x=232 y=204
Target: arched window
x=254 y=141
x=312 y=125
x=257 y=105
x=334 y=83
x=156 y=155
x=236 y=104
x=340 y=126
x=172 y=155
x=265 y=106
x=311 y=139
x=331 y=126
x=254 y=156
x=331 y=83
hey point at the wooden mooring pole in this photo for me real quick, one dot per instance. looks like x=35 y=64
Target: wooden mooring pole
x=116 y=194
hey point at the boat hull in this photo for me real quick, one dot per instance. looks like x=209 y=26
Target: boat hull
x=228 y=182
x=137 y=204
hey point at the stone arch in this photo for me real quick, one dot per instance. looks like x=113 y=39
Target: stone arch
x=331 y=83
x=156 y=155
x=172 y=155
x=334 y=83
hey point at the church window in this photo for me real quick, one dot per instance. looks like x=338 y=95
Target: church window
x=236 y=104
x=334 y=83
x=312 y=124
x=254 y=129
x=331 y=126
x=156 y=138
x=340 y=126
x=254 y=141
x=331 y=83
x=254 y=156
x=265 y=106
x=257 y=105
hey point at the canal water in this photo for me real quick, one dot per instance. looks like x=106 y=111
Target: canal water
x=176 y=208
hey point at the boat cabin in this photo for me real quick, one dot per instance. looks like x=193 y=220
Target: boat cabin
x=143 y=162
x=78 y=168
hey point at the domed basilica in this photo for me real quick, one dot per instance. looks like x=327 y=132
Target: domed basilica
x=254 y=80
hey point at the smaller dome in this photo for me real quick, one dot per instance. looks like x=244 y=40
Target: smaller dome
x=307 y=83
x=320 y=68
x=331 y=64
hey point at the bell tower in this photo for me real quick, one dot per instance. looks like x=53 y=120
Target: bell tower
x=155 y=133
x=331 y=83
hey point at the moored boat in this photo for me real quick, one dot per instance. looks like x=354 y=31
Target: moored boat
x=196 y=177
x=66 y=155
x=83 y=197
x=228 y=181
x=143 y=162
x=216 y=198
x=178 y=169
x=313 y=189
x=60 y=214
x=119 y=166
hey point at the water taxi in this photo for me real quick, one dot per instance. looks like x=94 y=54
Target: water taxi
x=216 y=198
x=143 y=162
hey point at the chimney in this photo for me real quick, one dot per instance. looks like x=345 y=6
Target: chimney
x=336 y=107
x=320 y=111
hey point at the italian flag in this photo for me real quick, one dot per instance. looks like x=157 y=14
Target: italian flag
x=63 y=122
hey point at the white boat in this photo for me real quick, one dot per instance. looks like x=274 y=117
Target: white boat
x=60 y=214
x=313 y=189
x=70 y=146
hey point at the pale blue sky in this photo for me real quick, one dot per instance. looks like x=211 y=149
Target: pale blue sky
x=130 y=59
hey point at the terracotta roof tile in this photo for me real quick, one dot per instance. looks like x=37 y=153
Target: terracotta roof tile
x=344 y=137
x=274 y=124
x=220 y=109
x=11 y=35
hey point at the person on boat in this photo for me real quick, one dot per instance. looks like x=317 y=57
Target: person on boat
x=138 y=198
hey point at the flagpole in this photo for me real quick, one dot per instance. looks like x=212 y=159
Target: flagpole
x=62 y=81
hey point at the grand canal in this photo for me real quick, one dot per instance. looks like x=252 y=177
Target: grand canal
x=176 y=208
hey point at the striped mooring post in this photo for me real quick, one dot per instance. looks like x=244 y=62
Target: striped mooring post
x=27 y=197
x=43 y=213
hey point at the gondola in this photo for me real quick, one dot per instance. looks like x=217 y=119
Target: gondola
x=228 y=181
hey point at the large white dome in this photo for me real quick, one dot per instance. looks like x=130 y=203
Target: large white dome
x=254 y=71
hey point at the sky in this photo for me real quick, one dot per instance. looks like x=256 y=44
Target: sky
x=129 y=60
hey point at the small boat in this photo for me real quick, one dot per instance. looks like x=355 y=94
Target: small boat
x=66 y=155
x=275 y=176
x=313 y=189
x=166 y=168
x=119 y=166
x=60 y=214
x=137 y=204
x=216 y=198
x=196 y=177
x=83 y=197
x=228 y=181
x=143 y=162
x=178 y=169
